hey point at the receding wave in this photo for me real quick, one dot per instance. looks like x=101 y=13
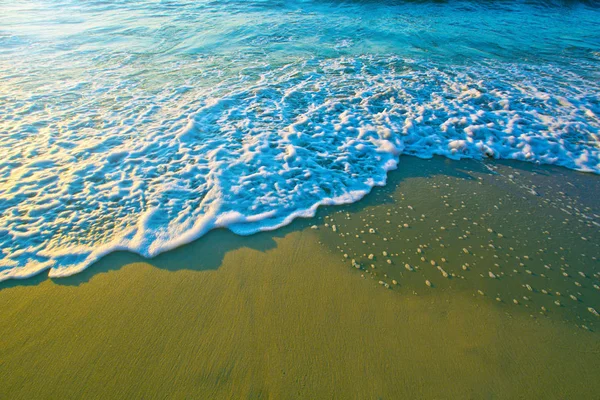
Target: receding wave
x=121 y=167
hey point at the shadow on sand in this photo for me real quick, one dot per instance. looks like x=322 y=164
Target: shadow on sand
x=207 y=252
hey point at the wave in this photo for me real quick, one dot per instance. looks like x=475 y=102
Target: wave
x=147 y=172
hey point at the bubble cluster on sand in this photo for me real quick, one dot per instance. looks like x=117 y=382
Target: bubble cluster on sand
x=500 y=241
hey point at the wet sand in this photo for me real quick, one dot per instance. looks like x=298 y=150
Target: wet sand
x=285 y=314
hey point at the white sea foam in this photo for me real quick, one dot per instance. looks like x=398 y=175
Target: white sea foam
x=118 y=168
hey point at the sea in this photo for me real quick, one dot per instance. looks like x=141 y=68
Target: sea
x=140 y=125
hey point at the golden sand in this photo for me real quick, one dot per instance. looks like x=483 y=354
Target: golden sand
x=276 y=315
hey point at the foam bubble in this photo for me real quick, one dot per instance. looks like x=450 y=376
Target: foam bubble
x=150 y=172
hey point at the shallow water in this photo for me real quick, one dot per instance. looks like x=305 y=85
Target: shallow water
x=141 y=125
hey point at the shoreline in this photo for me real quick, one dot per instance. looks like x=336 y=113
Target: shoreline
x=284 y=314
x=321 y=208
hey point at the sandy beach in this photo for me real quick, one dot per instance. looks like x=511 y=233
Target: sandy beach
x=285 y=314
x=349 y=199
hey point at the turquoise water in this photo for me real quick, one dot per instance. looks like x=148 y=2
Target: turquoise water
x=141 y=125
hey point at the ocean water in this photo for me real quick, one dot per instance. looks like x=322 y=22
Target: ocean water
x=141 y=125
